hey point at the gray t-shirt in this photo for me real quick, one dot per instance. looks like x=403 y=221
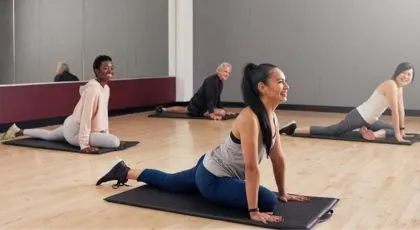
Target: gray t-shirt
x=226 y=160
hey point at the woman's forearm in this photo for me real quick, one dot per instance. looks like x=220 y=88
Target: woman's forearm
x=279 y=174
x=402 y=117
x=396 y=122
x=252 y=184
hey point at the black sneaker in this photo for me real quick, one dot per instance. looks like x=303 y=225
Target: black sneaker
x=159 y=109
x=118 y=172
x=289 y=129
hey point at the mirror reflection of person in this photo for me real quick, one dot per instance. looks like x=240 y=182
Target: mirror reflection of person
x=63 y=73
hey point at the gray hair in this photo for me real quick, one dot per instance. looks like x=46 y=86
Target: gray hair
x=223 y=65
x=63 y=65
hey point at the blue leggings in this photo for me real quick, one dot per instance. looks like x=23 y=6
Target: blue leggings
x=225 y=191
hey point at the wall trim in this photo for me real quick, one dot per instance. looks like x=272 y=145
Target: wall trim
x=37 y=123
x=118 y=112
x=320 y=108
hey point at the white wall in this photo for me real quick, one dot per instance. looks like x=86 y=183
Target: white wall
x=181 y=47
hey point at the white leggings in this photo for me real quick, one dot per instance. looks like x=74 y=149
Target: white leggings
x=69 y=131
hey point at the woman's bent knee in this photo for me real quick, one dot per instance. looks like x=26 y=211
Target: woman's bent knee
x=267 y=200
x=115 y=142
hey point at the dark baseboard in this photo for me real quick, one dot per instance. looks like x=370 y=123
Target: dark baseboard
x=118 y=112
x=34 y=123
x=313 y=108
x=319 y=108
x=60 y=120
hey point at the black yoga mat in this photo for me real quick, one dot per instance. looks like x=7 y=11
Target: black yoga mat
x=356 y=136
x=187 y=116
x=297 y=215
x=63 y=146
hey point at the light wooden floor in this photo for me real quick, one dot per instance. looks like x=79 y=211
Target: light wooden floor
x=378 y=184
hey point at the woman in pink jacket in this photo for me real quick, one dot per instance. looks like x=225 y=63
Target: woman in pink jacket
x=87 y=127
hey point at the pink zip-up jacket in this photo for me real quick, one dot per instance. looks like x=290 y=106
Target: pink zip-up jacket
x=91 y=112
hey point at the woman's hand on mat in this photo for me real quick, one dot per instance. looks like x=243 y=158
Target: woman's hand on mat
x=265 y=217
x=290 y=197
x=90 y=149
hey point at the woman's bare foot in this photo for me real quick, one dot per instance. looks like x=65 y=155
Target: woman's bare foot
x=367 y=134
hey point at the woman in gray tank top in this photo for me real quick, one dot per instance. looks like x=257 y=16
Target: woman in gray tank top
x=229 y=175
x=365 y=117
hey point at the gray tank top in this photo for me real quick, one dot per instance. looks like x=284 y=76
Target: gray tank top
x=226 y=160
